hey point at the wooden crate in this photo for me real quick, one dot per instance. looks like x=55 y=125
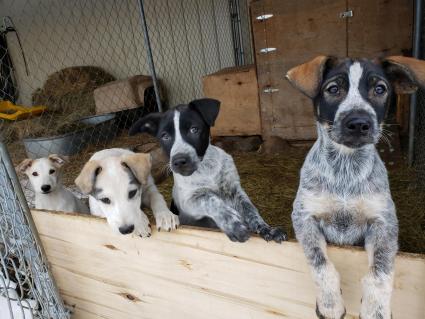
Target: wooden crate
x=192 y=274
x=237 y=89
x=299 y=30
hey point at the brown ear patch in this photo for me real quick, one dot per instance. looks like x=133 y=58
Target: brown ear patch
x=139 y=164
x=87 y=178
x=405 y=73
x=307 y=77
x=58 y=160
x=24 y=165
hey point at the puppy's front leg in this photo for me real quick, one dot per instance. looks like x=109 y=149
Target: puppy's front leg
x=381 y=245
x=208 y=204
x=164 y=218
x=329 y=304
x=255 y=222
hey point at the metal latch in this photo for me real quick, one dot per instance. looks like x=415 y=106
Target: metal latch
x=346 y=14
x=268 y=89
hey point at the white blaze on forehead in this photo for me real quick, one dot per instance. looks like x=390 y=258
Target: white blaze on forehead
x=354 y=100
x=354 y=75
x=179 y=145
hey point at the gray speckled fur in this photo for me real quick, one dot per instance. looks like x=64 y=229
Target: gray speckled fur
x=214 y=191
x=344 y=199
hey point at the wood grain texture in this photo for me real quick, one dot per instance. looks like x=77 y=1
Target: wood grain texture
x=301 y=30
x=380 y=28
x=237 y=90
x=193 y=273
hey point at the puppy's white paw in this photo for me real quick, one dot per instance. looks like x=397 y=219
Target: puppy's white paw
x=142 y=227
x=330 y=311
x=376 y=299
x=166 y=220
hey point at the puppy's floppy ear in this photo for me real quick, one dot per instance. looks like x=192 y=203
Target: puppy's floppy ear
x=58 y=160
x=24 y=165
x=139 y=164
x=87 y=178
x=208 y=108
x=147 y=124
x=405 y=74
x=308 y=77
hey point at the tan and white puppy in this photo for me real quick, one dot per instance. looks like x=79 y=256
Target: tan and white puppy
x=44 y=175
x=118 y=182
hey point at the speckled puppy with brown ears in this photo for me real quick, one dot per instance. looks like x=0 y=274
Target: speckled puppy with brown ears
x=344 y=196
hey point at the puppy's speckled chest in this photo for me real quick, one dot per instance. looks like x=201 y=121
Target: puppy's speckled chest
x=216 y=174
x=344 y=220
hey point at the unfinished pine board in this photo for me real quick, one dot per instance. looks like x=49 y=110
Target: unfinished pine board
x=193 y=273
x=237 y=90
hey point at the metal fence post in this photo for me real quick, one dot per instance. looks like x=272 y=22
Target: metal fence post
x=413 y=100
x=150 y=57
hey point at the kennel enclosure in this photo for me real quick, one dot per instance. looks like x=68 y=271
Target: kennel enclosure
x=91 y=59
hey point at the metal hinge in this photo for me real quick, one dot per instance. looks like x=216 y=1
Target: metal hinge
x=346 y=14
x=267 y=50
x=264 y=17
x=268 y=89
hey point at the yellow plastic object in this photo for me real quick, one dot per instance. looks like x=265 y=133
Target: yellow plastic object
x=12 y=112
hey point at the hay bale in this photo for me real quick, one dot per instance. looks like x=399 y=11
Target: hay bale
x=68 y=95
x=68 y=87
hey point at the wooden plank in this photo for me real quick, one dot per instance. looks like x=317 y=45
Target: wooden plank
x=237 y=89
x=380 y=27
x=193 y=273
x=299 y=30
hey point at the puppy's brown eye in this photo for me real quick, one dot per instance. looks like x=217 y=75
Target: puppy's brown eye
x=132 y=193
x=105 y=200
x=333 y=89
x=51 y=171
x=380 y=89
x=34 y=174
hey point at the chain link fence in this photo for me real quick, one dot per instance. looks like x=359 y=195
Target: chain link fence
x=74 y=75
x=26 y=286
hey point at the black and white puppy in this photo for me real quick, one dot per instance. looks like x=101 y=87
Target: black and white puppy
x=207 y=189
x=344 y=196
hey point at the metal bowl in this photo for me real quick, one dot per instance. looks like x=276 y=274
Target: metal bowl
x=100 y=129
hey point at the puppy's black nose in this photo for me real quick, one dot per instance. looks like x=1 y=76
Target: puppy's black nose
x=180 y=160
x=359 y=125
x=126 y=229
x=46 y=188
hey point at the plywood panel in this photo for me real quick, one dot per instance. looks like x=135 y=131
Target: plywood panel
x=299 y=30
x=237 y=89
x=380 y=27
x=194 y=273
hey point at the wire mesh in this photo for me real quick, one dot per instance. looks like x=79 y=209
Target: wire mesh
x=26 y=287
x=74 y=76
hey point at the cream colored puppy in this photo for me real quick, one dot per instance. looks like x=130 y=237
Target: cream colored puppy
x=44 y=175
x=118 y=182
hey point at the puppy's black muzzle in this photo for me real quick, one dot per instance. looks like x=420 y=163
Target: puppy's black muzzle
x=182 y=164
x=357 y=125
x=357 y=129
